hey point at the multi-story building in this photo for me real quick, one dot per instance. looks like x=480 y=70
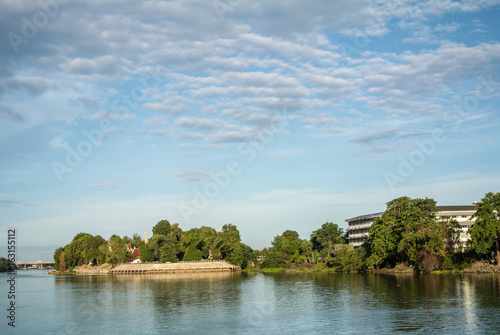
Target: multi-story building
x=359 y=226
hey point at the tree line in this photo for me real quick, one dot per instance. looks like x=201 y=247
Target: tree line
x=169 y=243
x=408 y=232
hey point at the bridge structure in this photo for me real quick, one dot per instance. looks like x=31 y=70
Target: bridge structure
x=34 y=265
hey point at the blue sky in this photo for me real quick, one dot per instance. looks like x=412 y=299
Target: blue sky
x=117 y=114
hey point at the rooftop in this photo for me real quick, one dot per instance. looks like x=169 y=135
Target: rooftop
x=457 y=208
x=440 y=208
x=365 y=216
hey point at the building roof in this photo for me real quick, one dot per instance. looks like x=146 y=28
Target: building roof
x=366 y=216
x=457 y=208
x=440 y=208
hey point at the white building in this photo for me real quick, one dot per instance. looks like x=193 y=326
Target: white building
x=359 y=226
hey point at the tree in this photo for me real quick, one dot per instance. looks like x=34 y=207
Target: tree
x=166 y=255
x=57 y=257
x=146 y=254
x=485 y=232
x=409 y=231
x=306 y=249
x=324 y=238
x=163 y=227
x=155 y=244
x=192 y=254
x=5 y=265
x=137 y=241
x=201 y=239
x=83 y=249
x=382 y=242
x=273 y=259
x=117 y=250
x=348 y=259
x=287 y=244
x=249 y=256
x=228 y=242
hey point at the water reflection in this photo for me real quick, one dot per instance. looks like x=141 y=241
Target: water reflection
x=242 y=303
x=384 y=303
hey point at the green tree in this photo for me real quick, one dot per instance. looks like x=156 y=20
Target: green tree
x=287 y=244
x=174 y=240
x=192 y=254
x=167 y=255
x=163 y=227
x=57 y=257
x=382 y=243
x=155 y=244
x=202 y=239
x=409 y=231
x=137 y=241
x=5 y=265
x=249 y=256
x=306 y=249
x=147 y=254
x=274 y=259
x=348 y=259
x=117 y=250
x=328 y=235
x=485 y=232
x=228 y=242
x=83 y=249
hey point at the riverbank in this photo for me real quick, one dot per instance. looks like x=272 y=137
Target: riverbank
x=155 y=268
x=475 y=267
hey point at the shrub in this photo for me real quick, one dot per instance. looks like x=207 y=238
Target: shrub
x=273 y=260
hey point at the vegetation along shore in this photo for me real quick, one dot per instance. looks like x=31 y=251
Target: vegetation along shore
x=407 y=238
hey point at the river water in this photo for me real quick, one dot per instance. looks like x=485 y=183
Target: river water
x=252 y=303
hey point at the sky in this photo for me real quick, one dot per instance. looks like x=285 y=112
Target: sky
x=270 y=116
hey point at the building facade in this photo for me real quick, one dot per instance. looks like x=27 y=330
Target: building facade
x=359 y=226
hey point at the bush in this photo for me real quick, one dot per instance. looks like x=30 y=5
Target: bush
x=428 y=261
x=192 y=254
x=348 y=260
x=298 y=259
x=167 y=255
x=273 y=260
x=458 y=261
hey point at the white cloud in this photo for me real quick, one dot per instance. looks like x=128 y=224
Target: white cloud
x=58 y=142
x=202 y=123
x=156 y=121
x=105 y=115
x=190 y=175
x=108 y=65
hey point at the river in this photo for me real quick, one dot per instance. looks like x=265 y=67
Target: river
x=252 y=303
